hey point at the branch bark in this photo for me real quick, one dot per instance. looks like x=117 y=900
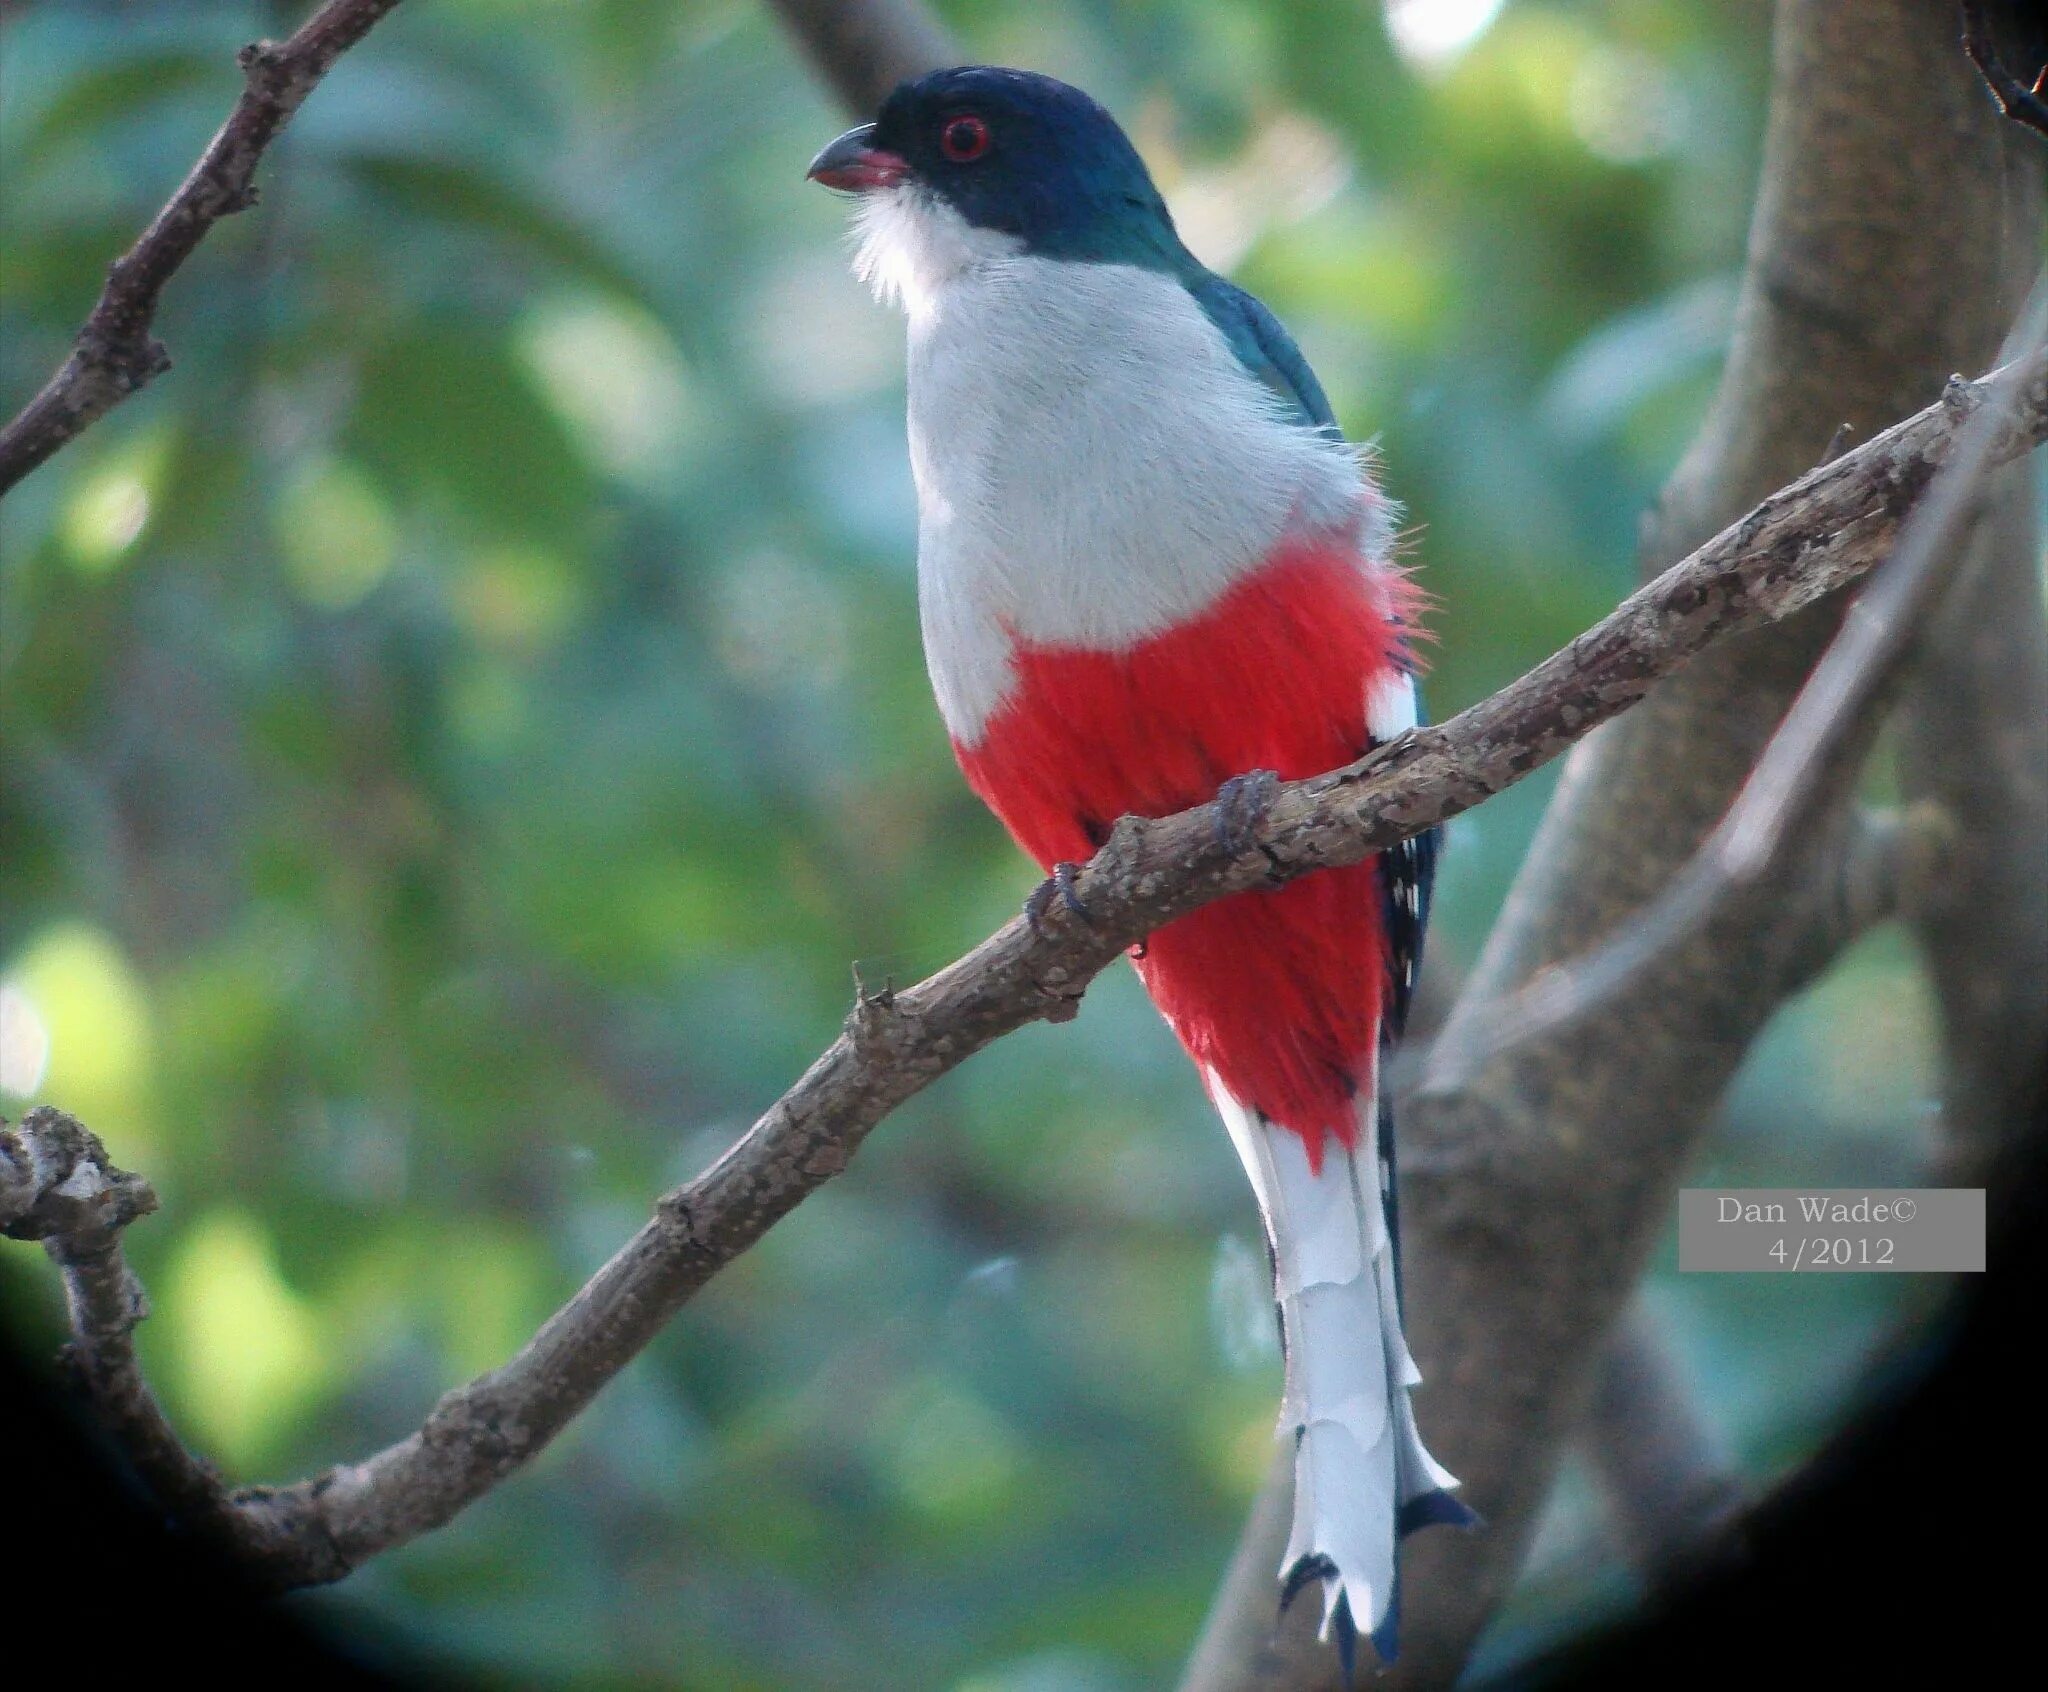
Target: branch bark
x=1831 y=329
x=1974 y=756
x=1802 y=544
x=1882 y=860
x=116 y=354
x=1533 y=1191
x=1981 y=921
x=864 y=48
x=1668 y=1481
x=57 y=1185
x=2018 y=97
x=1771 y=821
x=1975 y=763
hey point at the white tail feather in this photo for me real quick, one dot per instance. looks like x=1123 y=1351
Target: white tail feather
x=1358 y=1457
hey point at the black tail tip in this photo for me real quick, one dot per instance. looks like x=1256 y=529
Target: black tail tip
x=1385 y=1638
x=1307 y=1569
x=1435 y=1509
x=1347 y=1639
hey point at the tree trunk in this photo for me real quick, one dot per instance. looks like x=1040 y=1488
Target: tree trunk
x=1883 y=256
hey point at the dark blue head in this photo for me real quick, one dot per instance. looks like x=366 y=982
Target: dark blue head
x=1017 y=152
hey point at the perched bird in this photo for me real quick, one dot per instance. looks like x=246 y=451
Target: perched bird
x=1149 y=565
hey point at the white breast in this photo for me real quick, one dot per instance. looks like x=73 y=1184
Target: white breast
x=1093 y=464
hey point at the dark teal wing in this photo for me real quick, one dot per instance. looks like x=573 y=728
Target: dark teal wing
x=1265 y=348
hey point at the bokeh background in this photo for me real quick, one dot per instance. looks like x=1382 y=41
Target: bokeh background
x=464 y=725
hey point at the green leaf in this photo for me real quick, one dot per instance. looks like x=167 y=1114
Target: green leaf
x=467 y=196
x=107 y=93
x=447 y=413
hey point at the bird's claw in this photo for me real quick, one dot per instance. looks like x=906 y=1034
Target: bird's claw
x=1060 y=883
x=1241 y=806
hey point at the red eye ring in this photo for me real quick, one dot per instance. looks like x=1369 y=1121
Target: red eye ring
x=964 y=138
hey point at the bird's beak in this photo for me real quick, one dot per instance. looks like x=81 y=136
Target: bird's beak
x=853 y=161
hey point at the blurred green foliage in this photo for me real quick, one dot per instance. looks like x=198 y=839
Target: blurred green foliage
x=462 y=725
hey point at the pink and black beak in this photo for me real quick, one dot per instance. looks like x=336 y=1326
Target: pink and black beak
x=855 y=163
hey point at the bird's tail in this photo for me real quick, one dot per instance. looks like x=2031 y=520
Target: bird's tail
x=1362 y=1479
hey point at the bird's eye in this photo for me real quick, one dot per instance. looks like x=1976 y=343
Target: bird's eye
x=964 y=139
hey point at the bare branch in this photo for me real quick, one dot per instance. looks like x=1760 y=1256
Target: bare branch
x=1886 y=853
x=115 y=354
x=1973 y=755
x=1784 y=792
x=1668 y=1481
x=2019 y=100
x=57 y=1185
x=1880 y=259
x=863 y=48
x=1801 y=544
x=1873 y=871
x=1973 y=743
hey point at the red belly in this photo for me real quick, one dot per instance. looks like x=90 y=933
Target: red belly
x=1279 y=993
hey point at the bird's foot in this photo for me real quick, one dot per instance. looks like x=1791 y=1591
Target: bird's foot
x=1060 y=885
x=1241 y=806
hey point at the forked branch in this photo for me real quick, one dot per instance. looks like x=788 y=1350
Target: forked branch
x=116 y=354
x=1804 y=542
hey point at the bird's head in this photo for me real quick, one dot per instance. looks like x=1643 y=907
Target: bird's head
x=975 y=162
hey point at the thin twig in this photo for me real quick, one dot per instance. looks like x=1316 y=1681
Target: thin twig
x=58 y=1186
x=1785 y=788
x=1805 y=542
x=2018 y=100
x=115 y=354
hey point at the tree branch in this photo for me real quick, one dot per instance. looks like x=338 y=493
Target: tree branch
x=864 y=48
x=115 y=354
x=1981 y=916
x=1667 y=1480
x=1879 y=260
x=57 y=1185
x=2019 y=100
x=1775 y=813
x=1800 y=545
x=1873 y=871
x=1973 y=759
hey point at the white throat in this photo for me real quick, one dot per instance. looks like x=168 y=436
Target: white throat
x=1093 y=463
x=909 y=245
